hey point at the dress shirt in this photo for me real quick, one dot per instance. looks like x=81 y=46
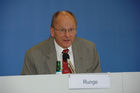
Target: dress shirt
x=59 y=53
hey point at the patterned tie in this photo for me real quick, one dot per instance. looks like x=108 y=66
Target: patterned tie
x=65 y=69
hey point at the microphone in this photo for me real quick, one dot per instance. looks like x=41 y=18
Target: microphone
x=67 y=58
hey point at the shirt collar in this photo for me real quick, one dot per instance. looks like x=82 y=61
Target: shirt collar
x=59 y=49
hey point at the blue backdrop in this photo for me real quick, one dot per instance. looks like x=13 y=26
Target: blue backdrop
x=113 y=25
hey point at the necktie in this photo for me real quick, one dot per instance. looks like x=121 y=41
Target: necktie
x=65 y=69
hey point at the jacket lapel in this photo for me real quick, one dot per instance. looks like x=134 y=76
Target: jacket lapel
x=51 y=56
x=77 y=57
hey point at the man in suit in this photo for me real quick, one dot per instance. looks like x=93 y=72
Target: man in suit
x=42 y=58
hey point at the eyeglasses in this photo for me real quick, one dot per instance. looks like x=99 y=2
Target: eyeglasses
x=63 y=30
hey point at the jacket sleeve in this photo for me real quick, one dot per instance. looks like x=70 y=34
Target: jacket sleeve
x=29 y=67
x=95 y=66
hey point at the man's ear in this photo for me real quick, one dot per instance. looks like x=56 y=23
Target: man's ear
x=52 y=31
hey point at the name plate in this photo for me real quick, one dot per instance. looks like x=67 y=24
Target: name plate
x=81 y=81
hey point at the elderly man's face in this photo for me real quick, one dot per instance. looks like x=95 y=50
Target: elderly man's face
x=64 y=30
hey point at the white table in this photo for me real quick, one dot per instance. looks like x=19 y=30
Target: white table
x=125 y=82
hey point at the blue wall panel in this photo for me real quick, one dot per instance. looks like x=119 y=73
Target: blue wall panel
x=113 y=25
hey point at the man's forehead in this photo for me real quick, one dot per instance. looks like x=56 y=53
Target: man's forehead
x=65 y=19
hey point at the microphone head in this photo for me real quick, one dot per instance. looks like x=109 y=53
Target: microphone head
x=66 y=56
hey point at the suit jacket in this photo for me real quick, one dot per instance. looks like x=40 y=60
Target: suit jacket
x=41 y=59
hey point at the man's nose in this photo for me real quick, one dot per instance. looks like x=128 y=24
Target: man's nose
x=67 y=34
